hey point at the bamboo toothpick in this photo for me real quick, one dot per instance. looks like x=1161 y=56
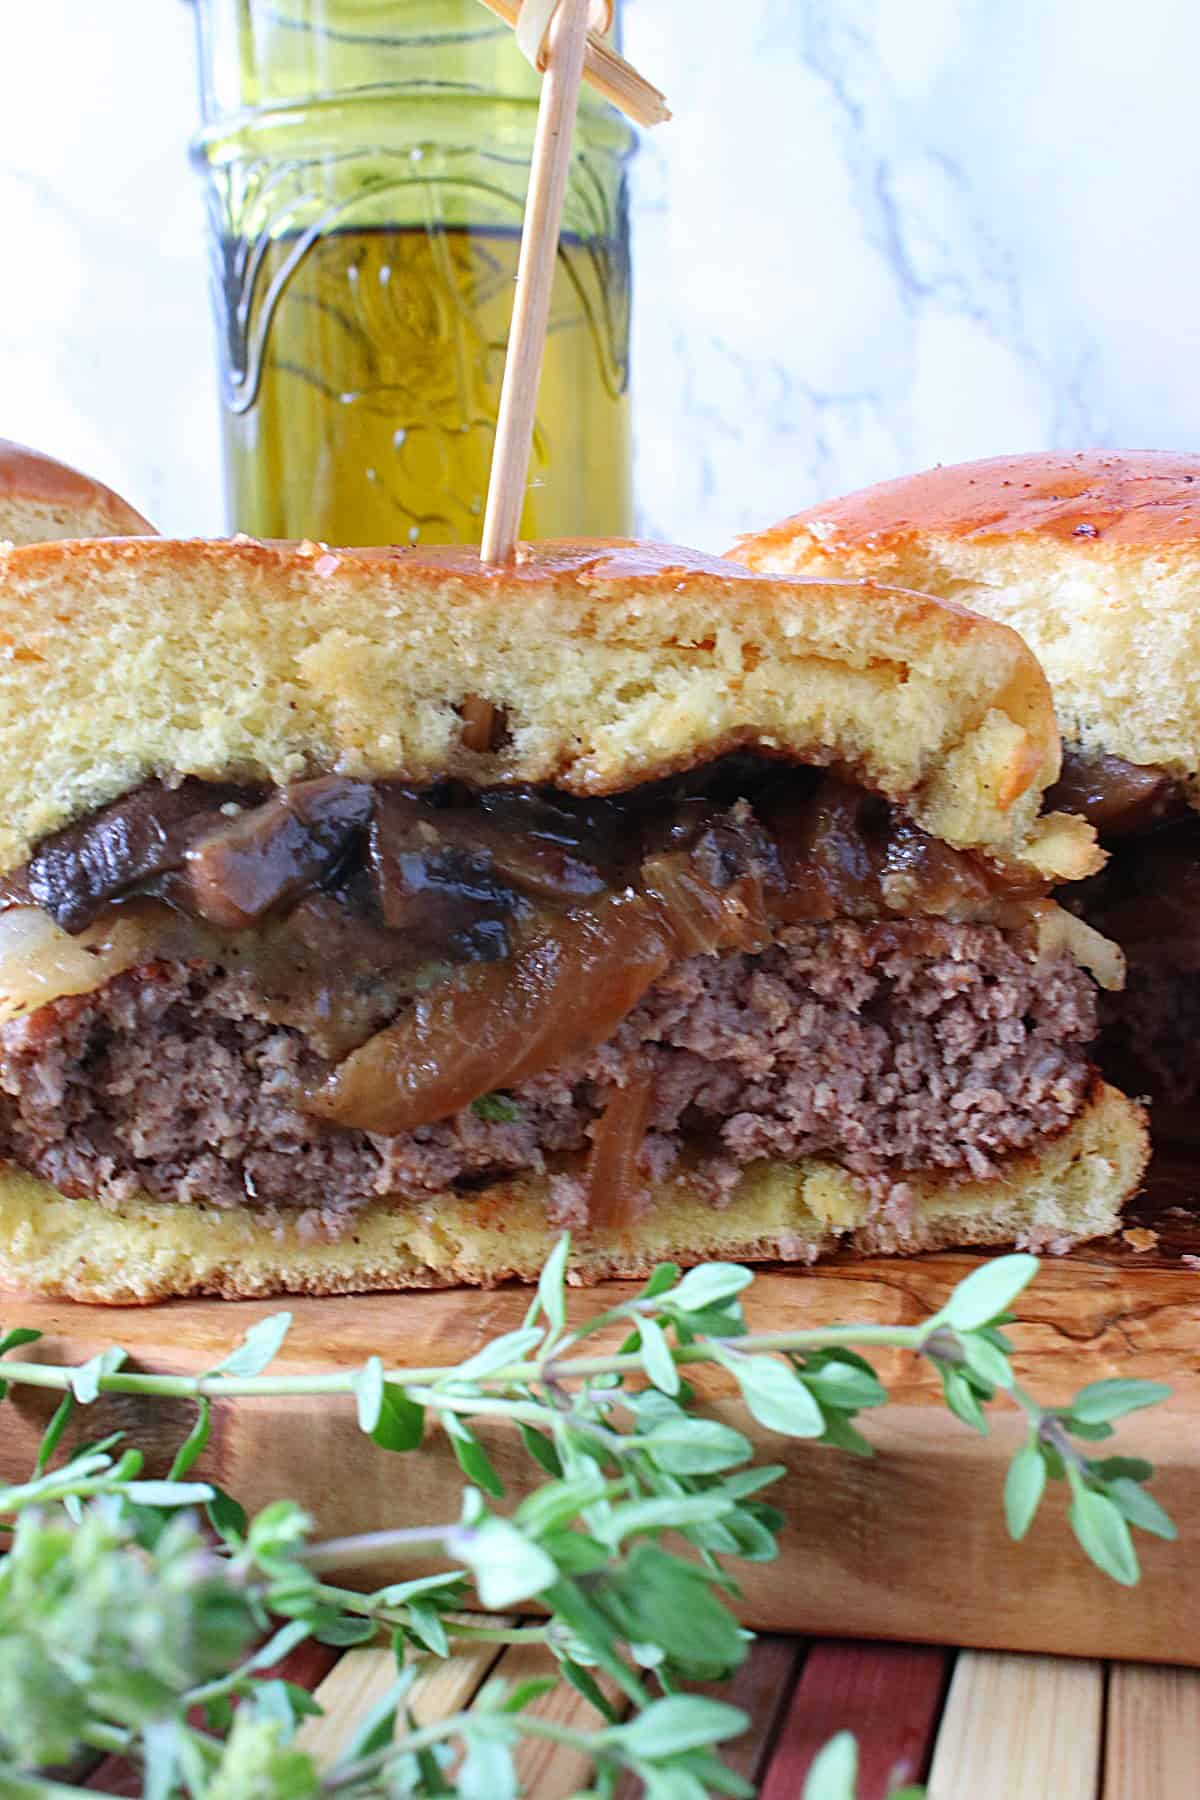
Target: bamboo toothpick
x=612 y=77
x=535 y=274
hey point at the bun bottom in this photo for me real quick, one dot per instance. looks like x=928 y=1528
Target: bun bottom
x=1068 y=1190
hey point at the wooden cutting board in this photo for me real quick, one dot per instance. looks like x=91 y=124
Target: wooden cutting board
x=911 y=1545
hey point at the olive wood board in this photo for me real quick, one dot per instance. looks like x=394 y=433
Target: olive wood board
x=910 y=1545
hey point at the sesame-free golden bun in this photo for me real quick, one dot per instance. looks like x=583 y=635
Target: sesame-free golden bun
x=42 y=500
x=1094 y=557
x=1070 y=1188
x=611 y=662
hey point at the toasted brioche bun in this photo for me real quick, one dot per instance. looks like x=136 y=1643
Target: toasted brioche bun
x=1093 y=557
x=613 y=663
x=1069 y=1190
x=41 y=500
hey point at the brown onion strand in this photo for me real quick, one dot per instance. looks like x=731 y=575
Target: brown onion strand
x=498 y=1024
x=614 y=1177
x=703 y=919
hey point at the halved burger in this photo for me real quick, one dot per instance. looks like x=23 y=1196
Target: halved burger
x=1094 y=558
x=369 y=916
x=41 y=500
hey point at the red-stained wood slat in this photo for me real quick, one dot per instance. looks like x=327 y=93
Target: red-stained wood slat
x=889 y=1695
x=307 y=1665
x=115 y=1776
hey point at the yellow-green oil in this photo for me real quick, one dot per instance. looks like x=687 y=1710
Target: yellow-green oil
x=367 y=163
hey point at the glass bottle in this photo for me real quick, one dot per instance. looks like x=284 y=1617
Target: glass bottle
x=366 y=164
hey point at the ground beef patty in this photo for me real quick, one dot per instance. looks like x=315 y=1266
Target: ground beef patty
x=892 y=1047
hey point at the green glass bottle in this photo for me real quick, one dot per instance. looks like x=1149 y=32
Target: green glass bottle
x=366 y=165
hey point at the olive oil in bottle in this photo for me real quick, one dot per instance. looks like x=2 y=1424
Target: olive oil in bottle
x=375 y=408
x=367 y=163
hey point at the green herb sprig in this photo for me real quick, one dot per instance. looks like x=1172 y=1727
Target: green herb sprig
x=127 y=1603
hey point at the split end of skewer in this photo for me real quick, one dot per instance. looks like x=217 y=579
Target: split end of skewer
x=614 y=79
x=533 y=28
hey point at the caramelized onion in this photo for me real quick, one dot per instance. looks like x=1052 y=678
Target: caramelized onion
x=1060 y=930
x=703 y=919
x=845 y=854
x=552 y=849
x=920 y=870
x=614 y=1179
x=1115 y=796
x=40 y=962
x=498 y=1024
x=829 y=870
x=540 y=868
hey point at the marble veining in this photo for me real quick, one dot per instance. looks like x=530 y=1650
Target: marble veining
x=877 y=235
x=879 y=312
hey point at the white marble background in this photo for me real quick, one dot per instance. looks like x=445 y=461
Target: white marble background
x=879 y=234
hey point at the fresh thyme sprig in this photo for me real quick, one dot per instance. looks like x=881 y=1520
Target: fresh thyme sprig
x=120 y=1614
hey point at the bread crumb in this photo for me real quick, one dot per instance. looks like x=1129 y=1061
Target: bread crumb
x=1140 y=1238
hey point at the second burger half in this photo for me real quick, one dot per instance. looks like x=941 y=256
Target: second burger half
x=369 y=916
x=1094 y=557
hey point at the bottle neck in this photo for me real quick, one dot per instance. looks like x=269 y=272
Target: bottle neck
x=273 y=54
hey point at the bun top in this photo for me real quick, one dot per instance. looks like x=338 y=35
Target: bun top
x=1101 y=502
x=609 y=663
x=1094 y=557
x=41 y=499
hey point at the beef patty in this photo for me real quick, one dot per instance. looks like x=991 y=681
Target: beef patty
x=892 y=1046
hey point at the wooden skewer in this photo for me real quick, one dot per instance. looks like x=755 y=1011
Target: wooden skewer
x=610 y=75
x=535 y=274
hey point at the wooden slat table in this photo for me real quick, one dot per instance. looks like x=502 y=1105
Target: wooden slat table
x=980 y=1724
